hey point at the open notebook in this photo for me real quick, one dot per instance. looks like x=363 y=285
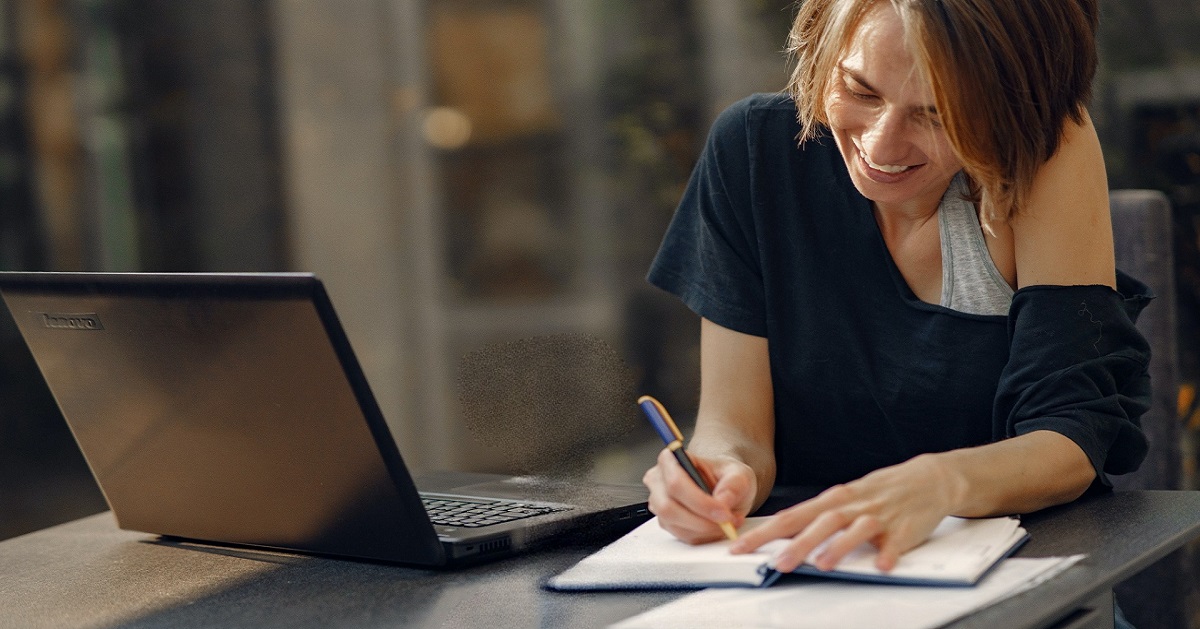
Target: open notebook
x=958 y=553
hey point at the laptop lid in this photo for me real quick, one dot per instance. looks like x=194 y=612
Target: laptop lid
x=231 y=408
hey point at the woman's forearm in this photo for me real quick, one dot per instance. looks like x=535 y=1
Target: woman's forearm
x=736 y=418
x=1017 y=475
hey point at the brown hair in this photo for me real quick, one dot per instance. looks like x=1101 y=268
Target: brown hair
x=1005 y=76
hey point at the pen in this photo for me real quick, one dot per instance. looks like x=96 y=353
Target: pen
x=666 y=428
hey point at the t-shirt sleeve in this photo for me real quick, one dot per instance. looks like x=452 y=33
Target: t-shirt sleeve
x=1078 y=366
x=709 y=255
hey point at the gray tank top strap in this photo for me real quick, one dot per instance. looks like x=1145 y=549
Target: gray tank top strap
x=970 y=280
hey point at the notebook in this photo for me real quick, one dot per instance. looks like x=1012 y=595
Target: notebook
x=959 y=552
x=820 y=604
x=230 y=408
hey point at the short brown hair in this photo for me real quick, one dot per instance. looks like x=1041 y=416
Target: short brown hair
x=1005 y=76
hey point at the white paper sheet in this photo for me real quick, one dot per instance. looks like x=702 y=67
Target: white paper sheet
x=826 y=604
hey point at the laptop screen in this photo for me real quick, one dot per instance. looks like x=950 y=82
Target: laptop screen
x=225 y=408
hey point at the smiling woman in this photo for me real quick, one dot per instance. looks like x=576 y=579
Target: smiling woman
x=1003 y=78
x=883 y=117
x=922 y=314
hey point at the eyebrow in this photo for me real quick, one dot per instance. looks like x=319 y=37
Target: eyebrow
x=857 y=78
x=926 y=109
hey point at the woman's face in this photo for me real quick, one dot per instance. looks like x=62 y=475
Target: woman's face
x=882 y=116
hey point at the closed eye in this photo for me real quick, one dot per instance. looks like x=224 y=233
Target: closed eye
x=863 y=96
x=930 y=117
x=857 y=92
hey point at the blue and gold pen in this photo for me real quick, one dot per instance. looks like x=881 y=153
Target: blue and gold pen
x=666 y=428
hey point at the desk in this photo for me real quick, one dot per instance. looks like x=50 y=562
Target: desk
x=88 y=573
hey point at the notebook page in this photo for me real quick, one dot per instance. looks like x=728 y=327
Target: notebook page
x=958 y=550
x=649 y=556
x=956 y=553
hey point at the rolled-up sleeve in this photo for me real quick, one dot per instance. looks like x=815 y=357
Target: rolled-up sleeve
x=1078 y=366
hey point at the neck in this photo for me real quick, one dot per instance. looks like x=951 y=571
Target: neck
x=899 y=221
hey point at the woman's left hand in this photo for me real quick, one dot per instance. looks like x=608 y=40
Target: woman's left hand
x=894 y=508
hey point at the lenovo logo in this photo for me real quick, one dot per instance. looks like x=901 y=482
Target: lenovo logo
x=62 y=321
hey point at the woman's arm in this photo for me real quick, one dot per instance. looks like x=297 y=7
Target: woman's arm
x=737 y=404
x=1063 y=238
x=733 y=442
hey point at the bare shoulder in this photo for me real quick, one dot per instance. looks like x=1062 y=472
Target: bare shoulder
x=1064 y=235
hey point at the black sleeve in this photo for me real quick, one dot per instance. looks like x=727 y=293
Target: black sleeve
x=1079 y=367
x=709 y=257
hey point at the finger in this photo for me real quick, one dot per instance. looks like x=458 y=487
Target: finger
x=892 y=545
x=706 y=472
x=888 y=557
x=802 y=545
x=786 y=523
x=665 y=499
x=676 y=519
x=690 y=529
x=683 y=509
x=735 y=489
x=865 y=527
x=794 y=519
x=684 y=489
x=675 y=481
x=777 y=526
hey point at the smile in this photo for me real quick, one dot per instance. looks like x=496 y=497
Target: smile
x=886 y=168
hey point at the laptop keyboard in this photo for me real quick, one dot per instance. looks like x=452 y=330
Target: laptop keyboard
x=476 y=513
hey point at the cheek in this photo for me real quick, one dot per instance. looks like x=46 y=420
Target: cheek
x=843 y=113
x=941 y=150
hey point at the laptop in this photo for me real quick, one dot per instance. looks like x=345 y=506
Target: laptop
x=230 y=408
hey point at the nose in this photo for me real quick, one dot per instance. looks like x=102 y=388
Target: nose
x=885 y=138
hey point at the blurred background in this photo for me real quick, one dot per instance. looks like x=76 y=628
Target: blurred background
x=461 y=173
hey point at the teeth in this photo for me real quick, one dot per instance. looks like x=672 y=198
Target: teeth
x=887 y=168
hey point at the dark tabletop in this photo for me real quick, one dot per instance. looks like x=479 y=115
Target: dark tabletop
x=88 y=573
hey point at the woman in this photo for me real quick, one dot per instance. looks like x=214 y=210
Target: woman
x=906 y=278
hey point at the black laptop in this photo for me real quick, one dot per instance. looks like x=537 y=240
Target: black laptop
x=230 y=408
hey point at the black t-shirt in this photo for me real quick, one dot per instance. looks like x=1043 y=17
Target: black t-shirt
x=772 y=239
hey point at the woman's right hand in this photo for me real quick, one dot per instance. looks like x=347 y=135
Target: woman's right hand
x=732 y=446
x=685 y=510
